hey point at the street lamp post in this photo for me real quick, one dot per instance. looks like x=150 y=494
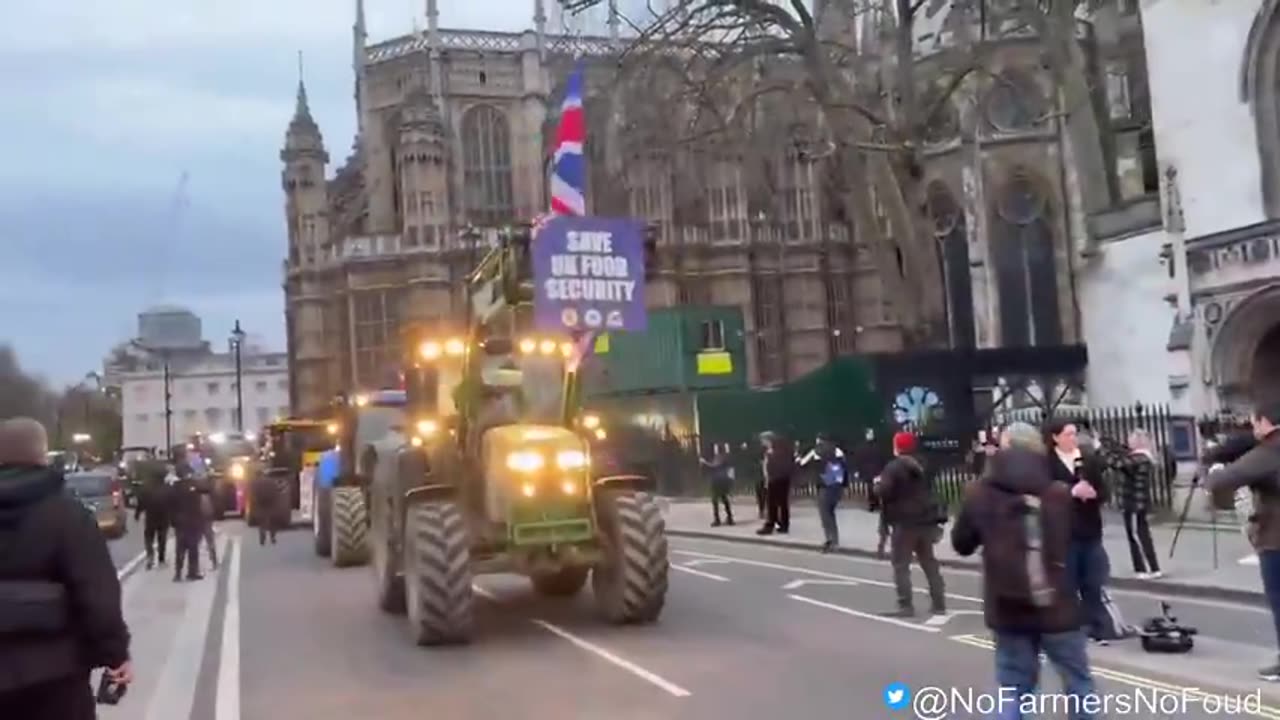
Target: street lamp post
x=168 y=392
x=237 y=340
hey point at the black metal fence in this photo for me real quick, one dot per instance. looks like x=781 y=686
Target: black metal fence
x=675 y=461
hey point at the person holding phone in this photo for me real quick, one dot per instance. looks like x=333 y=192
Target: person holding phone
x=60 y=599
x=1088 y=566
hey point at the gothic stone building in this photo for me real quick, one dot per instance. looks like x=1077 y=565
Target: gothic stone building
x=453 y=140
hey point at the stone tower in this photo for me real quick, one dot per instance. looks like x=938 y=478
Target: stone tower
x=306 y=211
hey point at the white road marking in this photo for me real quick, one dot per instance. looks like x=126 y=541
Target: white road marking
x=228 y=697
x=1127 y=678
x=705 y=561
x=1248 y=560
x=795 y=584
x=940 y=620
x=623 y=663
x=129 y=566
x=699 y=573
x=176 y=689
x=975 y=572
x=866 y=616
x=817 y=573
x=483 y=593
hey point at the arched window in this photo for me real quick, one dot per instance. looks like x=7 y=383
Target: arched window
x=1025 y=270
x=953 y=256
x=486 y=168
x=1015 y=103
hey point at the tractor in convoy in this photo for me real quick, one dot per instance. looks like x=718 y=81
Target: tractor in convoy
x=488 y=470
x=339 y=513
x=289 y=448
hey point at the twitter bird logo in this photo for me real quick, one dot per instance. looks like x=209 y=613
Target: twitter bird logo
x=897 y=696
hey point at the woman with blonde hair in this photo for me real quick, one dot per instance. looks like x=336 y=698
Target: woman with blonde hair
x=1137 y=476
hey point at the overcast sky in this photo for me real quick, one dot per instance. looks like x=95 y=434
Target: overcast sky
x=107 y=104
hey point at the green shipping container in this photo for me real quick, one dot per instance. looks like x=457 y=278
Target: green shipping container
x=837 y=398
x=685 y=349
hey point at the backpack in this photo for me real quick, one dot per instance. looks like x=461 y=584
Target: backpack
x=1015 y=559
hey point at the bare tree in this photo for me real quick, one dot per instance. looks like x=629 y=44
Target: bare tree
x=750 y=68
x=21 y=394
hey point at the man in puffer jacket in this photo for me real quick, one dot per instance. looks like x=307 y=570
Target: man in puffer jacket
x=51 y=550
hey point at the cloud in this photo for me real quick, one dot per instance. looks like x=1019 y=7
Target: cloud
x=107 y=104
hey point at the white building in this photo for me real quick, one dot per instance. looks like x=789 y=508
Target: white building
x=1189 y=309
x=1219 y=147
x=202 y=382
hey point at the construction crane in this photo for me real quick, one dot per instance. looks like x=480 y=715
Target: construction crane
x=171 y=232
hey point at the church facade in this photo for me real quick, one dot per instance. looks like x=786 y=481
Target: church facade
x=453 y=144
x=1216 y=120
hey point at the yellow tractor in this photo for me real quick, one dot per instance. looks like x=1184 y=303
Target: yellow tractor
x=290 y=448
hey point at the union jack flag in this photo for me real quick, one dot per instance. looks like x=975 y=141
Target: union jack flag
x=568 y=172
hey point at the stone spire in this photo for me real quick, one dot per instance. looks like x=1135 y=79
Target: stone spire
x=304 y=134
x=359 y=39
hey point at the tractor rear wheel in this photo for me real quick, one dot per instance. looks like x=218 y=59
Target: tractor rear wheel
x=630 y=581
x=350 y=526
x=564 y=583
x=437 y=570
x=321 y=517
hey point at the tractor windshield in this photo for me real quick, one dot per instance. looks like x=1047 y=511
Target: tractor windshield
x=523 y=388
x=541 y=388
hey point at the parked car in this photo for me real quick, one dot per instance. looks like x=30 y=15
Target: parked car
x=100 y=492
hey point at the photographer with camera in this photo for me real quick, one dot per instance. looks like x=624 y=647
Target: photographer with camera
x=1252 y=478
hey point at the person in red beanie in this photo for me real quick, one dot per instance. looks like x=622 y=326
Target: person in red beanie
x=914 y=516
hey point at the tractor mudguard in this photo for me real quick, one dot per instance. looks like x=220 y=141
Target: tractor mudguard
x=638 y=483
x=350 y=480
x=429 y=493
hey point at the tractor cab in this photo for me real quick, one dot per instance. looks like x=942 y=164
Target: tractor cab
x=290 y=448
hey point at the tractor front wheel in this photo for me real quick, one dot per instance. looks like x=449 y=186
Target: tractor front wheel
x=350 y=526
x=438 y=574
x=630 y=581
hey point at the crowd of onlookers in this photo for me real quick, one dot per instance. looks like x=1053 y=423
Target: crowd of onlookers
x=1035 y=512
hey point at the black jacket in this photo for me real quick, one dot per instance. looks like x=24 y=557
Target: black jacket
x=184 y=506
x=1086 y=523
x=906 y=491
x=47 y=536
x=154 y=504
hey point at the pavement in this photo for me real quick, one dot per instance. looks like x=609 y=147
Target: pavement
x=1208 y=561
x=749 y=632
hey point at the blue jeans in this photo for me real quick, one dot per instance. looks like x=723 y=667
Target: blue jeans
x=1269 y=562
x=828 y=500
x=1087 y=570
x=1018 y=669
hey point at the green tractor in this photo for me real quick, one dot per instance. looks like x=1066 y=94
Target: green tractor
x=496 y=476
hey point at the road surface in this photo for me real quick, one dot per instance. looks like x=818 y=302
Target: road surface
x=749 y=632
x=125 y=549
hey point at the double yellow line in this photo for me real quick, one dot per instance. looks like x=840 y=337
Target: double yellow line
x=1264 y=711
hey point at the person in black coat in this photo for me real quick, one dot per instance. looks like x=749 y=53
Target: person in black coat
x=153 y=509
x=779 y=467
x=268 y=501
x=187 y=515
x=51 y=547
x=1088 y=566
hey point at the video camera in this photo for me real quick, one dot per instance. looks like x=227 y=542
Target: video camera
x=1227 y=439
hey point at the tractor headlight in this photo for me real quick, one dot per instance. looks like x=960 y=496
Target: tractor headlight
x=237 y=471
x=415 y=441
x=427 y=428
x=525 y=461
x=569 y=487
x=571 y=459
x=529 y=490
